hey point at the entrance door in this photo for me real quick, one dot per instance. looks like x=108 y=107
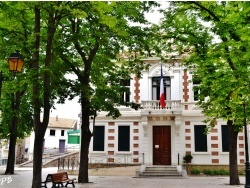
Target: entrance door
x=161 y=145
x=61 y=146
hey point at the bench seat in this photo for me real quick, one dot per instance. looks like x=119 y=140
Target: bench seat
x=58 y=179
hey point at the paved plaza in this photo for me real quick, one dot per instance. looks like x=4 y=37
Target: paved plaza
x=23 y=179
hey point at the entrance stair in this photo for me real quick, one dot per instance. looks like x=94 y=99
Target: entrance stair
x=160 y=171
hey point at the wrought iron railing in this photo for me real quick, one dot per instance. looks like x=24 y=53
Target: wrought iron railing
x=72 y=162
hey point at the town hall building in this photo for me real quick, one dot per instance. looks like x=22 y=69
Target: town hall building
x=161 y=136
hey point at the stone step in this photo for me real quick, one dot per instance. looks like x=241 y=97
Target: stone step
x=160 y=174
x=161 y=171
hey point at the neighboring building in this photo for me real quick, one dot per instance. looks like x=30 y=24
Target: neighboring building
x=162 y=136
x=56 y=136
x=4 y=150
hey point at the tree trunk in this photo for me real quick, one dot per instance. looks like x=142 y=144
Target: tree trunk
x=83 y=176
x=12 y=149
x=13 y=135
x=37 y=159
x=233 y=165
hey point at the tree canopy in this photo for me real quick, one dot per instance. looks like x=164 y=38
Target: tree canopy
x=215 y=36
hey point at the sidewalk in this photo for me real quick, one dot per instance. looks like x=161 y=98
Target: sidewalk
x=23 y=179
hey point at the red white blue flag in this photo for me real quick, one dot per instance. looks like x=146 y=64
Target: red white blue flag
x=162 y=95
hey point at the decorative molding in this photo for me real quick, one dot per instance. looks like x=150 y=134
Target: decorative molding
x=178 y=121
x=155 y=71
x=144 y=122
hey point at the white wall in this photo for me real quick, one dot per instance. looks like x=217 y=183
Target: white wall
x=53 y=141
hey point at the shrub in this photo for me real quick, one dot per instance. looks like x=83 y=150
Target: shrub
x=187 y=158
x=221 y=172
x=207 y=172
x=195 y=171
x=215 y=172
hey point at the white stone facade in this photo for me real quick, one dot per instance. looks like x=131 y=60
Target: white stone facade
x=181 y=115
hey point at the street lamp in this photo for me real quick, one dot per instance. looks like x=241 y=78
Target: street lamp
x=15 y=62
x=247 y=165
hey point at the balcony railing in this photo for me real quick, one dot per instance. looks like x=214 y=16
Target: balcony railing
x=155 y=104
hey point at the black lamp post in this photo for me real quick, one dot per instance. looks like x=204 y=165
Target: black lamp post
x=15 y=61
x=247 y=165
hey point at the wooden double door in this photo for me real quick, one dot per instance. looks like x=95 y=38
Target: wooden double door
x=161 y=145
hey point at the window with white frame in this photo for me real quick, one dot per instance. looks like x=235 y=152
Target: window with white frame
x=123 y=138
x=99 y=138
x=126 y=94
x=225 y=138
x=156 y=87
x=196 y=90
x=200 y=138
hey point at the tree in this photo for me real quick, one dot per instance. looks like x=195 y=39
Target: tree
x=215 y=34
x=94 y=35
x=15 y=121
x=87 y=33
x=46 y=20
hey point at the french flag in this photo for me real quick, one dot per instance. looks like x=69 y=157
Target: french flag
x=162 y=95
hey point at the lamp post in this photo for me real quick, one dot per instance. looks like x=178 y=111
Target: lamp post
x=15 y=62
x=247 y=165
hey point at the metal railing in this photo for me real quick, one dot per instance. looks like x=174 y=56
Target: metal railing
x=52 y=154
x=59 y=151
x=72 y=162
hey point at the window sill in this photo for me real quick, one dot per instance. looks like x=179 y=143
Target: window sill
x=201 y=153
x=123 y=153
x=224 y=153
x=98 y=153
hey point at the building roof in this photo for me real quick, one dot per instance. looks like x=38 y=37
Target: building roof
x=57 y=122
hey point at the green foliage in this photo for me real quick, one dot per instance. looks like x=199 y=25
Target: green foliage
x=215 y=172
x=188 y=158
x=195 y=171
x=212 y=34
x=81 y=38
x=214 y=37
x=208 y=172
x=97 y=43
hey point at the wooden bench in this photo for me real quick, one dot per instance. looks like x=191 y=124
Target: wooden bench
x=60 y=178
x=48 y=179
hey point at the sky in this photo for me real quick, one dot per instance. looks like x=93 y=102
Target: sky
x=71 y=109
x=68 y=110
